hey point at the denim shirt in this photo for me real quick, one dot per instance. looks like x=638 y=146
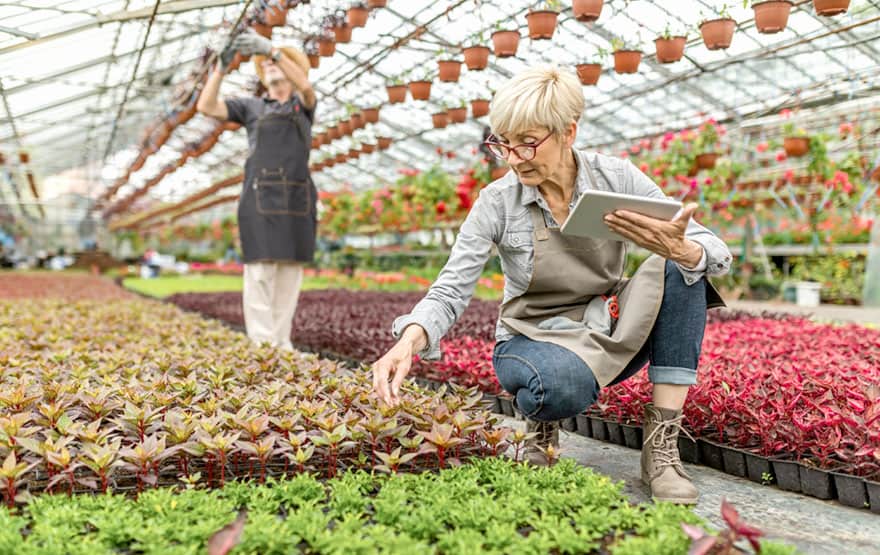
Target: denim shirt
x=500 y=217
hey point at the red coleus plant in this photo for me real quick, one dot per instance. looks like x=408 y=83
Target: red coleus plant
x=724 y=543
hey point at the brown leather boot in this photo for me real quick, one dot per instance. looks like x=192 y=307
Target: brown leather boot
x=546 y=436
x=662 y=470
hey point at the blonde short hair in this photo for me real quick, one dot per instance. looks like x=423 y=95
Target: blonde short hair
x=291 y=53
x=548 y=97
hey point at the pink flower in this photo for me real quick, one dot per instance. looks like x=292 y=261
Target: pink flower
x=780 y=156
x=668 y=136
x=707 y=181
x=785 y=112
x=845 y=129
x=635 y=149
x=762 y=146
x=644 y=167
x=789 y=176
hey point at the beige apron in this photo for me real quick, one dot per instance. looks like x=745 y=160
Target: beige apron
x=568 y=271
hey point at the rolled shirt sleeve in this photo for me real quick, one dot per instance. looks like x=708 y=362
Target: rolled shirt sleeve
x=449 y=295
x=716 y=258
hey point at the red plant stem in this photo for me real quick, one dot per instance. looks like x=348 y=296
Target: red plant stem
x=104 y=481
x=69 y=481
x=222 y=457
x=441 y=452
x=10 y=493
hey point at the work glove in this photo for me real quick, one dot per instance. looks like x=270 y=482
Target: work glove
x=226 y=57
x=249 y=43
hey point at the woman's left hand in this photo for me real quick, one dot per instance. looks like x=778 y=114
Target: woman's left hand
x=665 y=238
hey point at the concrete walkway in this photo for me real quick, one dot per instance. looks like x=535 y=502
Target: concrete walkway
x=814 y=526
x=821 y=313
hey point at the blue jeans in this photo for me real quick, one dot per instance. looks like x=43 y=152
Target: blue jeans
x=550 y=382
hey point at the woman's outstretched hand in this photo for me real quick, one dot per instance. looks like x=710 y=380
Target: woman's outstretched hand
x=396 y=364
x=665 y=238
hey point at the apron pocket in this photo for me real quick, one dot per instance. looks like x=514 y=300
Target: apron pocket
x=277 y=195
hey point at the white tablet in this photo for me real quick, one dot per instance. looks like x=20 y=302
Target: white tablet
x=588 y=217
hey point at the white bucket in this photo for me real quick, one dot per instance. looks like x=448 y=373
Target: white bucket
x=808 y=293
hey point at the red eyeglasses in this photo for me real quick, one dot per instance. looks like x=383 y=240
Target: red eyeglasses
x=526 y=151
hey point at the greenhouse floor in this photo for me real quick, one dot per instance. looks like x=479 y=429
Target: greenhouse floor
x=814 y=526
x=823 y=313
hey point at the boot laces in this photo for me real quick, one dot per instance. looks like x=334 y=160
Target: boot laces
x=664 y=444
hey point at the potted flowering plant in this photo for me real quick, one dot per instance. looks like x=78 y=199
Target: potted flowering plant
x=717 y=32
x=627 y=56
x=476 y=56
x=505 y=42
x=705 y=145
x=357 y=14
x=771 y=16
x=586 y=10
x=420 y=87
x=449 y=69
x=669 y=46
x=590 y=72
x=397 y=89
x=796 y=141
x=542 y=22
x=830 y=7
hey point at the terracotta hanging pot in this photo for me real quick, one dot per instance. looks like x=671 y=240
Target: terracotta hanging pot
x=275 y=16
x=371 y=115
x=345 y=127
x=449 y=70
x=333 y=133
x=476 y=58
x=376 y=3
x=262 y=29
x=457 y=115
x=357 y=121
x=316 y=143
x=718 y=33
x=796 y=146
x=505 y=43
x=353 y=154
x=440 y=119
x=589 y=73
x=627 y=61
x=771 y=16
x=830 y=7
x=706 y=160
x=384 y=142
x=586 y=10
x=542 y=24
x=396 y=93
x=479 y=108
x=420 y=90
x=341 y=158
x=357 y=16
x=326 y=46
x=343 y=34
x=368 y=148
x=322 y=138
x=669 y=50
x=314 y=61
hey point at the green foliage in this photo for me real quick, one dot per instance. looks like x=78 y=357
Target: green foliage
x=842 y=275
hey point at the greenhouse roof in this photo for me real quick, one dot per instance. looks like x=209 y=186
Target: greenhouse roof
x=82 y=80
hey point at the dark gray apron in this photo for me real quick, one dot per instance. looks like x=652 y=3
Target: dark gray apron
x=568 y=271
x=277 y=213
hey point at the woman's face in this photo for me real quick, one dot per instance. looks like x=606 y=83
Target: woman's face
x=549 y=154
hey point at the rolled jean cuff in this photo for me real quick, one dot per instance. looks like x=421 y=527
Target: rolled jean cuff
x=674 y=375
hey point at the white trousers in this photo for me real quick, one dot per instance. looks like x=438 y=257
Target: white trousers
x=271 y=292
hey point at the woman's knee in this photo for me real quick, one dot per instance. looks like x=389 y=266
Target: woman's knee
x=677 y=291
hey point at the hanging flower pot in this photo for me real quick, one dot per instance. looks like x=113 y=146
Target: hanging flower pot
x=476 y=57
x=322 y=138
x=357 y=16
x=314 y=61
x=396 y=93
x=670 y=49
x=706 y=160
x=830 y=7
x=368 y=148
x=353 y=154
x=340 y=158
x=316 y=143
x=420 y=90
x=589 y=73
x=796 y=146
x=333 y=132
x=24 y=157
x=505 y=43
x=457 y=115
x=450 y=70
x=384 y=142
x=440 y=120
x=326 y=46
x=586 y=10
x=376 y=3
x=343 y=33
x=627 y=61
x=542 y=24
x=275 y=16
x=479 y=108
x=718 y=33
x=357 y=121
x=262 y=29
x=345 y=127
x=371 y=115
x=771 y=16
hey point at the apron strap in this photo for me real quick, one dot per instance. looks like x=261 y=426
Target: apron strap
x=538 y=222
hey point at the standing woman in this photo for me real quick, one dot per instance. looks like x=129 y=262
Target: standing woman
x=558 y=339
x=277 y=216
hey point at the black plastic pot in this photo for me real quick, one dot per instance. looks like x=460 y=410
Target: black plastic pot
x=788 y=476
x=583 y=425
x=569 y=424
x=710 y=454
x=632 y=436
x=506 y=406
x=615 y=434
x=851 y=490
x=734 y=461
x=873 y=495
x=687 y=449
x=758 y=468
x=817 y=483
x=598 y=428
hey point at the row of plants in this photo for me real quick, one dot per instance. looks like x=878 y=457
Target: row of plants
x=490 y=506
x=802 y=390
x=124 y=396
